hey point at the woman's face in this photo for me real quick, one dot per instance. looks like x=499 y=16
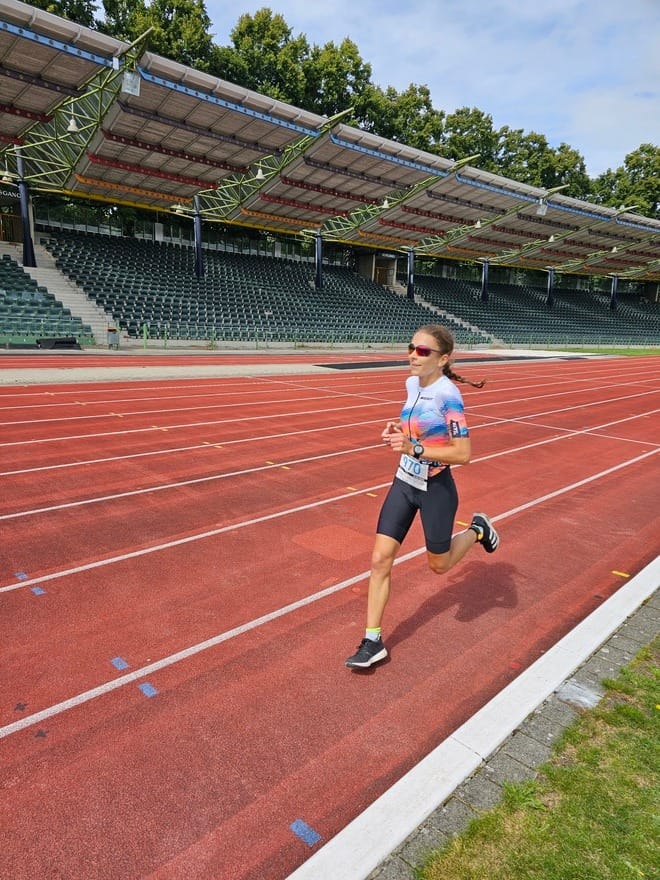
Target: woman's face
x=427 y=368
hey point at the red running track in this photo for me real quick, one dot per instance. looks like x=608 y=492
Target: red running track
x=184 y=571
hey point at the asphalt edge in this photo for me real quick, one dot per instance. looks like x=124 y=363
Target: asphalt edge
x=504 y=741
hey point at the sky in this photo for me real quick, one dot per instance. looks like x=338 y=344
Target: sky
x=581 y=72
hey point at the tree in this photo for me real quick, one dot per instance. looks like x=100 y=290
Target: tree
x=529 y=159
x=636 y=182
x=80 y=11
x=266 y=58
x=570 y=168
x=407 y=117
x=180 y=28
x=120 y=18
x=336 y=77
x=469 y=131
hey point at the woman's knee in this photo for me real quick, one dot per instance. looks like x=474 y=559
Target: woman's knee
x=382 y=558
x=439 y=563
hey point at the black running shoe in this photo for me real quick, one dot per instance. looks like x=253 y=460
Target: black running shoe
x=486 y=534
x=369 y=652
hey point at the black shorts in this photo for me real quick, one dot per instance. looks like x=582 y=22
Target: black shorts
x=437 y=507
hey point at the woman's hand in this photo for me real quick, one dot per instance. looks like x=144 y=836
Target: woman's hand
x=394 y=437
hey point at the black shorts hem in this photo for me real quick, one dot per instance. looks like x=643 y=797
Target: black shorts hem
x=438 y=549
x=437 y=507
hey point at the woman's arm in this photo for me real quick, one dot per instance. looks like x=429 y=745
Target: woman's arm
x=457 y=450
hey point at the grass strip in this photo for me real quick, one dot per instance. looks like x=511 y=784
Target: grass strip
x=592 y=813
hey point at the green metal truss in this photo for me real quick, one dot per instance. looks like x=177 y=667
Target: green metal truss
x=220 y=202
x=50 y=151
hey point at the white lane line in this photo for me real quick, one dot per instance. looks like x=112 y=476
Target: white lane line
x=568 y=433
x=493 y=422
x=226 y=385
x=113 y=400
x=151 y=428
x=178 y=485
x=208 y=445
x=75 y=390
x=240 y=389
x=268 y=385
x=565 y=435
x=475 y=405
x=197 y=536
x=255 y=521
x=475 y=409
x=523 y=419
x=177 y=409
x=329 y=395
x=186 y=653
x=555 y=378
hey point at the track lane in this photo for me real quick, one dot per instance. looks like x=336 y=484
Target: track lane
x=197 y=584
x=568 y=415
x=66 y=537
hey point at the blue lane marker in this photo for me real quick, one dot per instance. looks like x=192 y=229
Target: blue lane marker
x=38 y=591
x=304 y=832
x=119 y=663
x=148 y=689
x=20 y=576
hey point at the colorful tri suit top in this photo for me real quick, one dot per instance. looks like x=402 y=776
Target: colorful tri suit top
x=433 y=414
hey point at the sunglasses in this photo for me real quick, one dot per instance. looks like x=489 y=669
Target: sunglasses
x=422 y=350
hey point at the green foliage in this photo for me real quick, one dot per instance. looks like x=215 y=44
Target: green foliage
x=522 y=795
x=120 y=18
x=336 y=78
x=636 y=182
x=469 y=131
x=181 y=30
x=265 y=56
x=80 y=11
x=569 y=167
x=407 y=117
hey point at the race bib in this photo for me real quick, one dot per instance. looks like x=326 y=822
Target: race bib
x=413 y=471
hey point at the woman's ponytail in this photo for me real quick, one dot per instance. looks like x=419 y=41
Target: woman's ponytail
x=450 y=374
x=446 y=346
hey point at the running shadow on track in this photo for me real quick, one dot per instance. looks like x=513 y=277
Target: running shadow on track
x=475 y=590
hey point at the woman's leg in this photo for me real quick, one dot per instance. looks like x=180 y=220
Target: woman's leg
x=438 y=509
x=382 y=560
x=439 y=563
x=396 y=516
x=371 y=649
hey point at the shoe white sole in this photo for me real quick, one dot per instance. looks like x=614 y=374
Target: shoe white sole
x=381 y=655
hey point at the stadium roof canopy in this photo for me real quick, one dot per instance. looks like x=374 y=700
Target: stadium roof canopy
x=85 y=114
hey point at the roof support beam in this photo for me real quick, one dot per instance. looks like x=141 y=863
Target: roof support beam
x=340 y=227
x=52 y=149
x=229 y=197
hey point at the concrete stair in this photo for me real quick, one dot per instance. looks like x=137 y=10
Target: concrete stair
x=487 y=337
x=70 y=295
x=401 y=290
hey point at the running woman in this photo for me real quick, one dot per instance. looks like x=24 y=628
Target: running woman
x=431 y=436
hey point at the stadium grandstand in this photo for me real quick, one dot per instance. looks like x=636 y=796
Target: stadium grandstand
x=272 y=224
